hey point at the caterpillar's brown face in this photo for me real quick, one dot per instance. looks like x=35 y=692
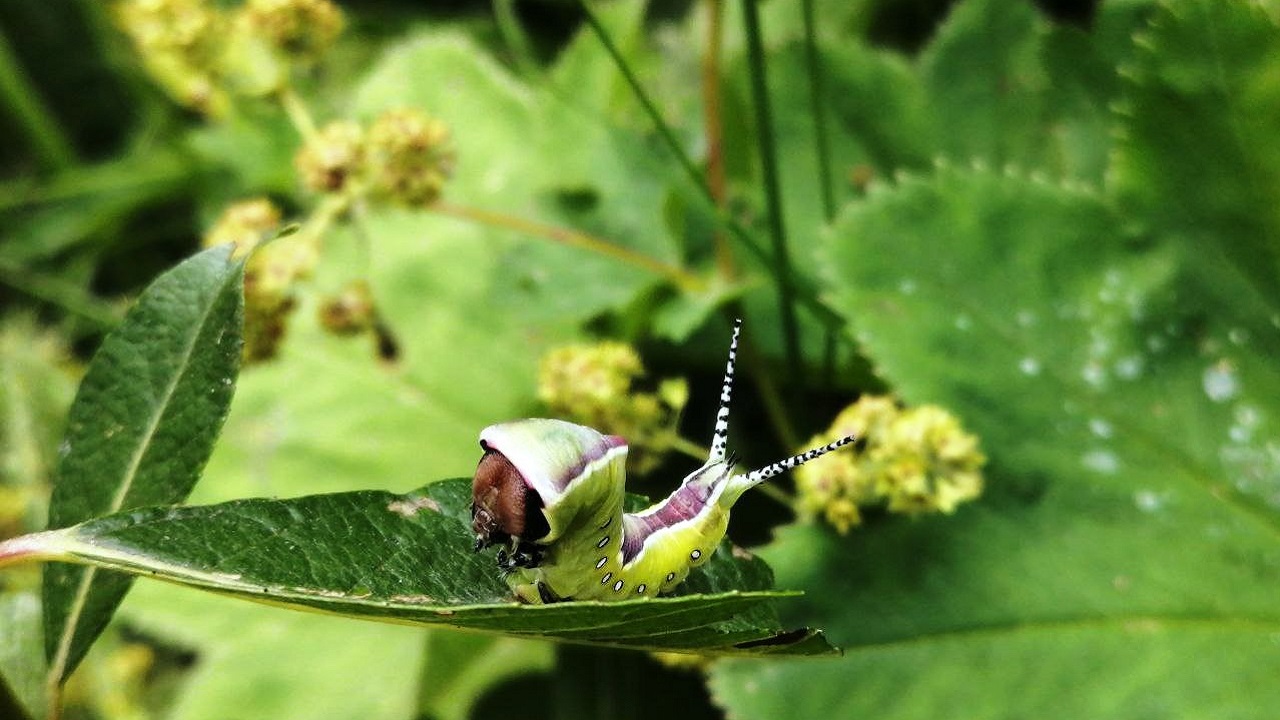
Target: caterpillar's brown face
x=503 y=506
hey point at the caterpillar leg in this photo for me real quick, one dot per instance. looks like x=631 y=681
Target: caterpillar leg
x=536 y=593
x=523 y=555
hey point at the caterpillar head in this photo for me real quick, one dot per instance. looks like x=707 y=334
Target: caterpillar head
x=527 y=469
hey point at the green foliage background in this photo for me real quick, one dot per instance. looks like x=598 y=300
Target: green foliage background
x=1065 y=235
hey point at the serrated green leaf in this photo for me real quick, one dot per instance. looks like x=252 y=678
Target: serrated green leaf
x=1141 y=670
x=407 y=559
x=141 y=428
x=985 y=83
x=1130 y=519
x=1198 y=161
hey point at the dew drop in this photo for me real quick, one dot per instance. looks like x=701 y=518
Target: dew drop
x=1220 y=381
x=1101 y=428
x=1238 y=336
x=907 y=286
x=1129 y=367
x=1093 y=374
x=1247 y=415
x=1148 y=500
x=1240 y=434
x=1246 y=420
x=1101 y=461
x=963 y=322
x=1029 y=366
x=1026 y=318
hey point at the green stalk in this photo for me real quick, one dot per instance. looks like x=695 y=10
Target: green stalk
x=515 y=38
x=817 y=105
x=52 y=146
x=68 y=296
x=773 y=196
x=803 y=292
x=650 y=109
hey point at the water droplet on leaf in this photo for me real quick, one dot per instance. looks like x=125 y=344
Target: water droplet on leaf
x=1220 y=381
x=1101 y=461
x=1029 y=366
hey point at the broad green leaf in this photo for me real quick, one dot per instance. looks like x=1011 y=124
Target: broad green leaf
x=528 y=154
x=1128 y=543
x=407 y=559
x=1139 y=670
x=1005 y=87
x=1198 y=162
x=586 y=76
x=282 y=663
x=459 y=668
x=141 y=428
x=985 y=83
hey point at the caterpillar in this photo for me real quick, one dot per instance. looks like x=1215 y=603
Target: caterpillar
x=550 y=493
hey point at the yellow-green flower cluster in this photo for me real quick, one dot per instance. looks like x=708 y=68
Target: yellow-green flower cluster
x=180 y=45
x=244 y=224
x=270 y=274
x=405 y=157
x=327 y=161
x=202 y=52
x=595 y=385
x=302 y=28
x=410 y=157
x=912 y=460
x=351 y=311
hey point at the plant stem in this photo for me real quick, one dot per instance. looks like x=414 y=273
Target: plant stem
x=773 y=196
x=803 y=292
x=683 y=278
x=163 y=167
x=817 y=104
x=650 y=109
x=52 y=146
x=514 y=36
x=713 y=130
x=688 y=447
x=70 y=297
x=774 y=492
x=298 y=112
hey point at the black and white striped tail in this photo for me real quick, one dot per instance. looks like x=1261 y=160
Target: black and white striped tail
x=758 y=476
x=720 y=439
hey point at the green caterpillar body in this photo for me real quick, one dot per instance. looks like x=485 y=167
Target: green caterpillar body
x=552 y=493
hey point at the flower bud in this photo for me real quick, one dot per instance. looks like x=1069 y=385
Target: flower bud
x=595 y=385
x=301 y=29
x=910 y=461
x=409 y=157
x=350 y=312
x=180 y=43
x=244 y=224
x=329 y=159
